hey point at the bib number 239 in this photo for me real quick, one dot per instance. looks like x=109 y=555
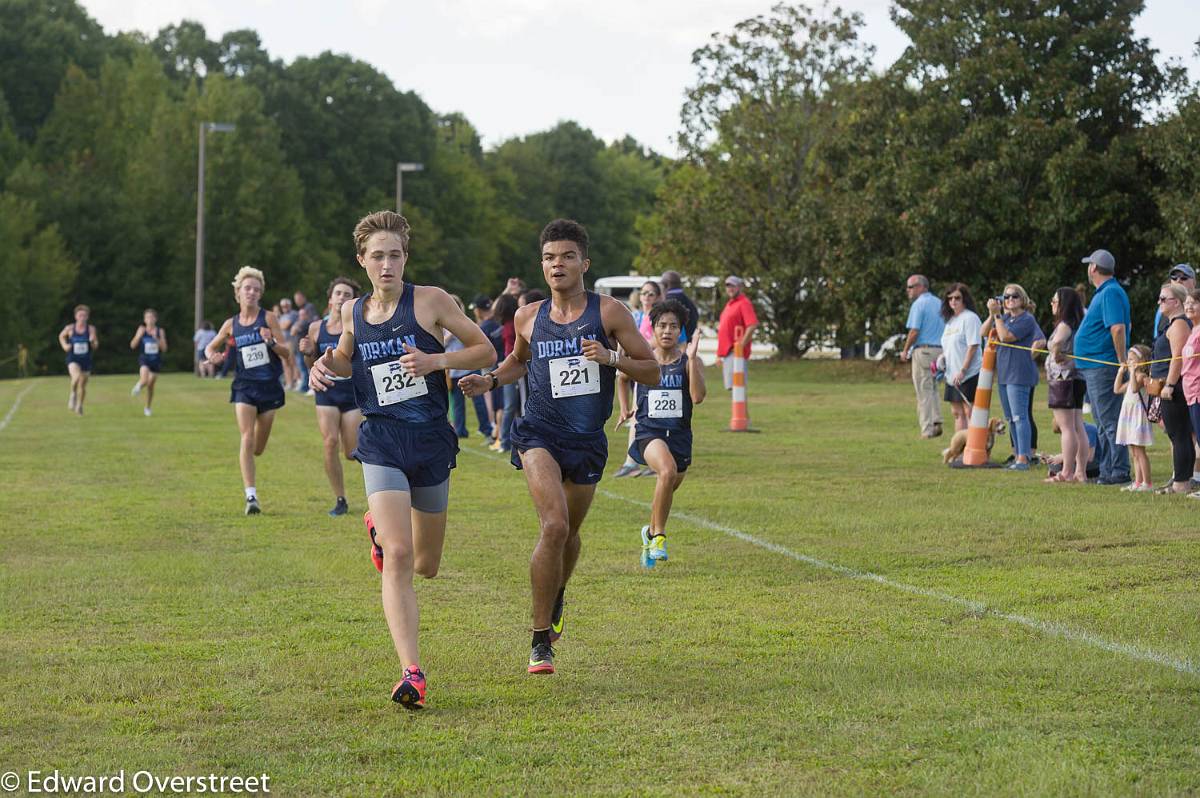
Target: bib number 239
x=573 y=376
x=253 y=355
x=393 y=384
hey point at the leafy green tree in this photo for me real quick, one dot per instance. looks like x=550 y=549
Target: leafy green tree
x=38 y=42
x=1174 y=147
x=37 y=272
x=754 y=196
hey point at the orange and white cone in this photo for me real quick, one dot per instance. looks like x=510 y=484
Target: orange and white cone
x=976 y=453
x=738 y=420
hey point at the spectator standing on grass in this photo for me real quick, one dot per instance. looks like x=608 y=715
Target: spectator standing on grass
x=960 y=347
x=1103 y=335
x=1190 y=370
x=503 y=311
x=922 y=348
x=738 y=312
x=1065 y=388
x=1016 y=368
x=201 y=339
x=1167 y=354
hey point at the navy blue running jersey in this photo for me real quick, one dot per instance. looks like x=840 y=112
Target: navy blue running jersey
x=256 y=361
x=150 y=346
x=668 y=405
x=382 y=387
x=566 y=390
x=81 y=343
x=342 y=390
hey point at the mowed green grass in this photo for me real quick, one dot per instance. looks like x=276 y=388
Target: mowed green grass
x=148 y=624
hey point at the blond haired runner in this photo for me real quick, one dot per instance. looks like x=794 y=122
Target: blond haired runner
x=254 y=336
x=392 y=346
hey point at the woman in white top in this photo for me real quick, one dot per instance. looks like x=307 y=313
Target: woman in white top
x=960 y=348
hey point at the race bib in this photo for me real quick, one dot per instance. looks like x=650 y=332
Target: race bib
x=664 y=404
x=573 y=376
x=394 y=385
x=151 y=347
x=254 y=355
x=80 y=347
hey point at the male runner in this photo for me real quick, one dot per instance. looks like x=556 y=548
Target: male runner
x=567 y=345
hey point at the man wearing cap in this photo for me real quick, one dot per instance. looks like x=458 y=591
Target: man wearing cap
x=1103 y=335
x=738 y=312
x=923 y=347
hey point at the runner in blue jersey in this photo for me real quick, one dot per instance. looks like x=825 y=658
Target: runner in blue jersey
x=338 y=415
x=149 y=341
x=664 y=420
x=79 y=341
x=257 y=344
x=391 y=345
x=567 y=345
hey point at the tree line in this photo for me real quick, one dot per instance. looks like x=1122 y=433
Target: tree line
x=1009 y=140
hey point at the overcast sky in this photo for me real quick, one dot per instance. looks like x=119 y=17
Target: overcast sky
x=515 y=67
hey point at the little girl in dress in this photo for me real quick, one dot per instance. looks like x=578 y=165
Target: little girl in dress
x=1133 y=427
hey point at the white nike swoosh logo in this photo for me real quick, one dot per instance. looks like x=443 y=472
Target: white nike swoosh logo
x=394 y=329
x=582 y=327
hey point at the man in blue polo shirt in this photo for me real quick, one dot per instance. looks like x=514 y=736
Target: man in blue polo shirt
x=923 y=347
x=1103 y=335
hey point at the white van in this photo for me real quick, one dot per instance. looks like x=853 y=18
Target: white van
x=707 y=292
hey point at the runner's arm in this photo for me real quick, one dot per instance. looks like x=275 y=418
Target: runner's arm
x=696 y=385
x=137 y=336
x=222 y=337
x=477 y=351
x=162 y=340
x=62 y=338
x=93 y=339
x=277 y=345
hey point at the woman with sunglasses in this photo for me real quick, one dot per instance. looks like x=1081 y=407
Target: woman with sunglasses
x=1016 y=369
x=961 y=350
x=1066 y=388
x=1166 y=367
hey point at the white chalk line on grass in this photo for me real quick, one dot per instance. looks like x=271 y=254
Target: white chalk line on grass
x=17 y=403
x=1048 y=628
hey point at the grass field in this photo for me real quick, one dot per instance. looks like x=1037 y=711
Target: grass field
x=148 y=625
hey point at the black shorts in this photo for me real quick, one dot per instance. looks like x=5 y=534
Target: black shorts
x=83 y=361
x=265 y=395
x=424 y=452
x=1071 y=398
x=581 y=457
x=152 y=363
x=678 y=441
x=966 y=388
x=340 y=395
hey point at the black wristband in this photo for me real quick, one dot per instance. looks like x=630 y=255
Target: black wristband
x=495 y=381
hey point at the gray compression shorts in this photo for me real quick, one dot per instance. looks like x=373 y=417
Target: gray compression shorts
x=431 y=499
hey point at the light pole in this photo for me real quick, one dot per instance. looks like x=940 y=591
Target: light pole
x=215 y=127
x=401 y=168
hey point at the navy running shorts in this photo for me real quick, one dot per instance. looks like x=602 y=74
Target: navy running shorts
x=265 y=395
x=424 y=452
x=339 y=395
x=152 y=363
x=83 y=361
x=581 y=457
x=678 y=441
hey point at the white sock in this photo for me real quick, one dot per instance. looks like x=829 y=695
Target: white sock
x=251 y=493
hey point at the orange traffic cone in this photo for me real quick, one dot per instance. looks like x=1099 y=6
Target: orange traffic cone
x=738 y=420
x=976 y=453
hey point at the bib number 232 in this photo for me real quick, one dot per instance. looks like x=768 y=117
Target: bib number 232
x=393 y=384
x=573 y=376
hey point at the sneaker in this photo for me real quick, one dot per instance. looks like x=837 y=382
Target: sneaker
x=340 y=507
x=71 y=402
x=658 y=547
x=1132 y=486
x=556 y=621
x=137 y=388
x=1144 y=488
x=647 y=560
x=626 y=470
x=146 y=412
x=252 y=506
x=409 y=692
x=1018 y=467
x=495 y=445
x=647 y=471
x=541 y=659
x=376 y=552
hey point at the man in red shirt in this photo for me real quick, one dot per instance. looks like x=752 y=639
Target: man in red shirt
x=737 y=313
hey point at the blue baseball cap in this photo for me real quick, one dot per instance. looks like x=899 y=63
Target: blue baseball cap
x=1104 y=261
x=1184 y=269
